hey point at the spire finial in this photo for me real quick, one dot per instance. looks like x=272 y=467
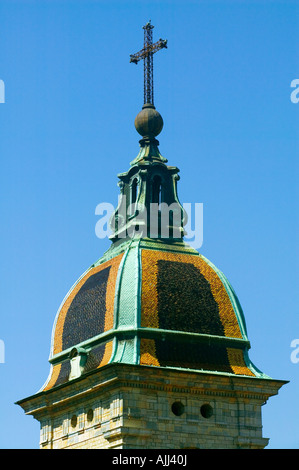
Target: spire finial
x=147 y=55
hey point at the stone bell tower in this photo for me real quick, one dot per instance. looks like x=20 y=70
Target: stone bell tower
x=149 y=348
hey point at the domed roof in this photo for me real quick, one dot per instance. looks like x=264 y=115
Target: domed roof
x=151 y=303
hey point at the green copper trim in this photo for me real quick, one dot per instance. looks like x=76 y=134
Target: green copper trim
x=113 y=251
x=138 y=313
x=149 y=151
x=257 y=372
x=125 y=352
x=118 y=289
x=214 y=372
x=129 y=333
x=127 y=301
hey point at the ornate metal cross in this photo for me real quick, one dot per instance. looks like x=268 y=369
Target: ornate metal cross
x=147 y=55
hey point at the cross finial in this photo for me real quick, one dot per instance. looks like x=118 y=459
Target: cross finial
x=147 y=55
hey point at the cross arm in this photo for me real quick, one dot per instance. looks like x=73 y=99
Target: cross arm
x=150 y=49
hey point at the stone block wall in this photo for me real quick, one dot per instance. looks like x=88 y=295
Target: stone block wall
x=136 y=407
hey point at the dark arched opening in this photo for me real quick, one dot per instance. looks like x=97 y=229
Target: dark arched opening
x=157 y=190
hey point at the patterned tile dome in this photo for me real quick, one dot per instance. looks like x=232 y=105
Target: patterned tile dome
x=150 y=303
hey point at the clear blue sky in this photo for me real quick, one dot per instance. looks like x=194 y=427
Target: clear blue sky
x=67 y=129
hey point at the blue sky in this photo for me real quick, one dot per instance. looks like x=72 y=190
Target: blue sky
x=67 y=129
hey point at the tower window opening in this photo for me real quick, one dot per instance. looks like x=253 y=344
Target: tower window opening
x=157 y=190
x=134 y=191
